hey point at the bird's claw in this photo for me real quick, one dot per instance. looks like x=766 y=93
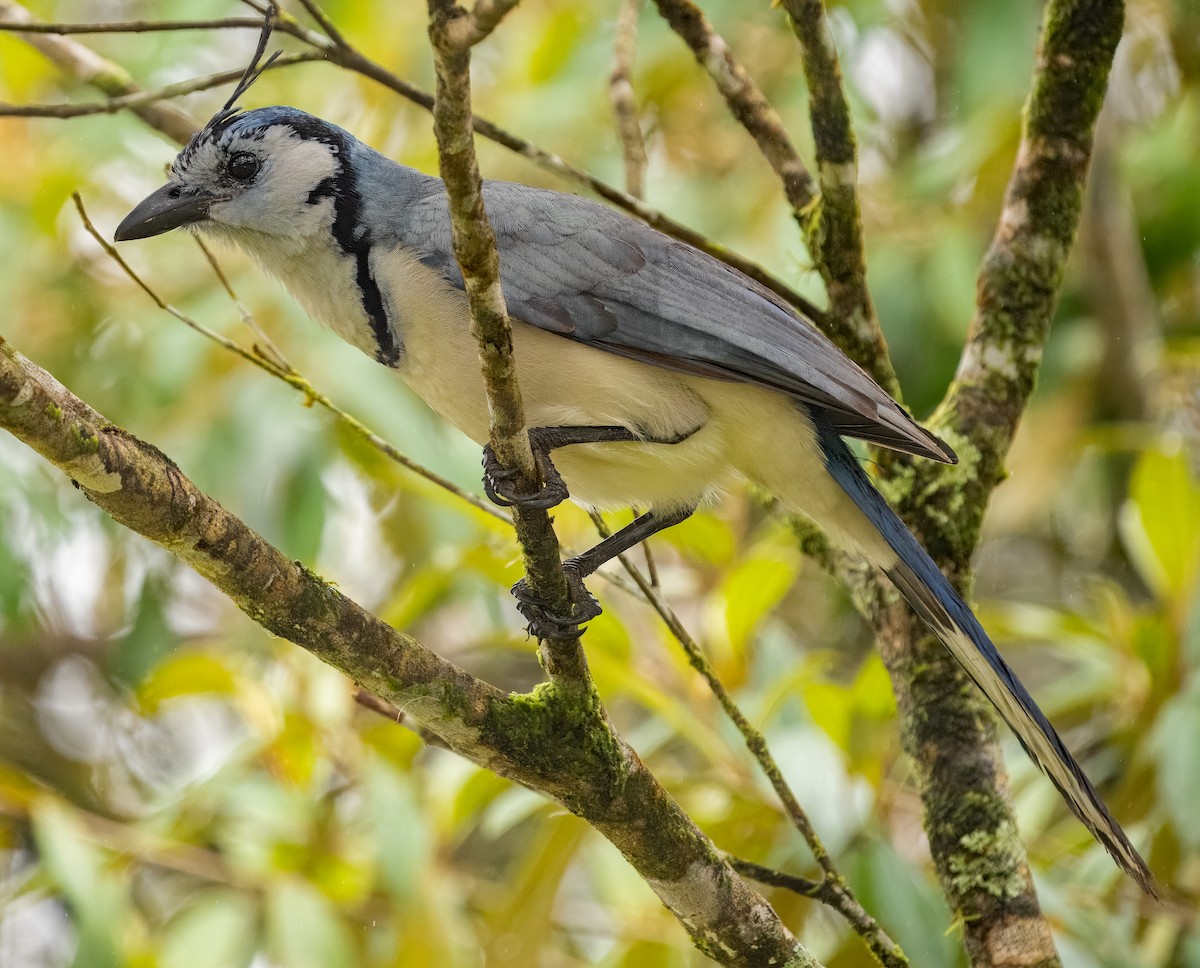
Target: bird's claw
x=545 y=624
x=499 y=483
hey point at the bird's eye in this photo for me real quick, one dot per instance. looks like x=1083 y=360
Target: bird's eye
x=243 y=166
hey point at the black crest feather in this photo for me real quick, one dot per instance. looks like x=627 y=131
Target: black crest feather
x=251 y=74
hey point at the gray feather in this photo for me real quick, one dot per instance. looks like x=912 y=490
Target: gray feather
x=574 y=267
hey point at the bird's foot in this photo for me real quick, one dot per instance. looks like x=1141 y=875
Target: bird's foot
x=499 y=483
x=545 y=624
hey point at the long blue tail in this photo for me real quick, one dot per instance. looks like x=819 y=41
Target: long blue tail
x=932 y=596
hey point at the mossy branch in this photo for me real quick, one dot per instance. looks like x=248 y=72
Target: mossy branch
x=537 y=739
x=833 y=224
x=948 y=729
x=452 y=31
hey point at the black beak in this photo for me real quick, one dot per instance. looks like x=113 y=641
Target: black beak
x=168 y=208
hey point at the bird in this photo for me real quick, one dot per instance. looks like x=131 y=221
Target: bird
x=657 y=375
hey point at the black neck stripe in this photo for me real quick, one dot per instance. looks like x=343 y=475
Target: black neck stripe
x=351 y=236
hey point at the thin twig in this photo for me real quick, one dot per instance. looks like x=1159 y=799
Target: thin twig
x=486 y=16
x=477 y=257
x=81 y=63
x=746 y=101
x=130 y=26
x=832 y=889
x=139 y=98
x=325 y=23
x=624 y=102
x=288 y=375
x=769 y=875
x=265 y=346
x=833 y=229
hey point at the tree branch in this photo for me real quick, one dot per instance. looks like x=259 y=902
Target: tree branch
x=948 y=729
x=832 y=888
x=129 y=26
x=486 y=16
x=745 y=100
x=850 y=322
x=77 y=61
x=833 y=228
x=533 y=738
x=451 y=34
x=624 y=102
x=139 y=98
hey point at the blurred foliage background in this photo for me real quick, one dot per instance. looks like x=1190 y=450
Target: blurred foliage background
x=179 y=789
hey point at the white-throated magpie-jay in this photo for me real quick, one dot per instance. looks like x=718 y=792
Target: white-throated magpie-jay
x=658 y=374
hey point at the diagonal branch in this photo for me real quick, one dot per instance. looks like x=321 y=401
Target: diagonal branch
x=80 y=62
x=832 y=889
x=624 y=102
x=486 y=16
x=834 y=226
x=850 y=321
x=130 y=26
x=138 y=99
x=747 y=103
x=532 y=738
x=950 y=734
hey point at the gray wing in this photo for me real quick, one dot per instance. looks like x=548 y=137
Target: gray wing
x=574 y=267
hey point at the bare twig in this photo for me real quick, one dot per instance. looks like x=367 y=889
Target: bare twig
x=832 y=889
x=744 y=98
x=833 y=228
x=475 y=251
x=264 y=345
x=130 y=26
x=486 y=16
x=327 y=25
x=141 y=98
x=624 y=102
x=77 y=61
x=768 y=875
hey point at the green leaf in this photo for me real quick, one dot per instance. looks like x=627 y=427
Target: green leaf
x=402 y=837
x=1176 y=739
x=753 y=588
x=98 y=900
x=907 y=905
x=1161 y=523
x=304 y=505
x=304 y=930
x=187 y=673
x=217 y=930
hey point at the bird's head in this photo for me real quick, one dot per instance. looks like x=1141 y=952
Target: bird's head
x=269 y=172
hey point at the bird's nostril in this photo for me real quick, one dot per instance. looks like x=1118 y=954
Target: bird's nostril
x=174 y=193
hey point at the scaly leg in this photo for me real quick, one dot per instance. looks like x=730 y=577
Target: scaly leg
x=544 y=624
x=498 y=481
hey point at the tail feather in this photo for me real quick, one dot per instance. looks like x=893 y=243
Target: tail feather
x=932 y=596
